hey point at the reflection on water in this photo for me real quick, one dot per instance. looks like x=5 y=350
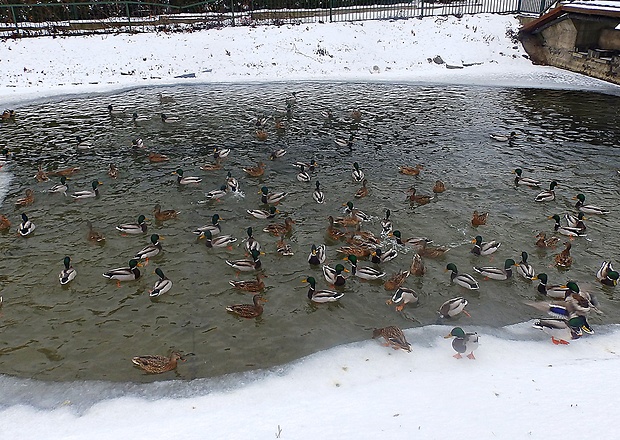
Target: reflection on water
x=90 y=329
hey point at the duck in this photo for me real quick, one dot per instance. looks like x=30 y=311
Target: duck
x=134 y=228
x=378 y=256
x=402 y=297
x=342 y=142
x=277 y=154
x=418 y=199
x=263 y=214
x=363 y=238
x=479 y=219
x=303 y=176
x=554 y=291
x=453 y=307
x=549 y=195
x=395 y=280
x=168 y=119
x=607 y=275
x=580 y=302
x=439 y=187
x=317 y=255
x=83 y=144
x=248 y=311
x=431 y=252
x=251 y=244
x=214 y=227
x=564 y=259
x=157 y=364
x=220 y=153
x=162 y=285
x=164 y=215
x=565 y=230
x=363 y=191
x=463 y=279
x=356 y=115
x=561 y=330
x=503 y=137
x=139 y=118
x=484 y=248
x=527 y=181
x=7 y=115
x=415 y=242
x=365 y=273
x=26 y=227
x=318 y=195
x=310 y=166
x=186 y=180
x=256 y=285
x=27 y=200
x=357 y=174
x=157 y=157
x=87 y=194
x=280 y=228
x=360 y=251
x=334 y=275
x=525 y=269
x=41 y=175
x=588 y=209
x=261 y=135
x=333 y=232
x=409 y=170
x=394 y=337
x=544 y=242
x=217 y=194
x=163 y=99
x=463 y=342
x=284 y=248
x=321 y=296
x=113 y=171
x=255 y=171
x=115 y=112
x=232 y=183
x=212 y=166
x=576 y=221
x=5 y=223
x=386 y=224
x=269 y=198
x=417 y=266
x=130 y=273
x=218 y=241
x=247 y=265
x=68 y=273
x=497 y=273
x=67 y=172
x=93 y=235
x=355 y=213
x=150 y=250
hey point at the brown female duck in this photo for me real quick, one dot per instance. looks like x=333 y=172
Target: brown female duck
x=156 y=364
x=253 y=310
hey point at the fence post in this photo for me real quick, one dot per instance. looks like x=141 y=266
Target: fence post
x=15 y=19
x=331 y=10
x=542 y=7
x=232 y=11
x=421 y=8
x=128 y=14
x=519 y=6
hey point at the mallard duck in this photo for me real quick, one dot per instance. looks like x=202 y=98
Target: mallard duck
x=277 y=154
x=116 y=112
x=168 y=119
x=355 y=213
x=139 y=118
x=88 y=193
x=565 y=230
x=363 y=238
x=94 y=235
x=157 y=157
x=409 y=170
x=365 y=273
x=7 y=115
x=403 y=296
x=333 y=232
x=576 y=221
x=253 y=310
x=212 y=166
x=393 y=336
x=453 y=307
x=484 y=248
x=162 y=285
x=479 y=219
x=157 y=364
x=363 y=191
x=247 y=265
x=580 y=302
x=564 y=259
x=360 y=251
x=150 y=250
x=356 y=115
x=113 y=171
x=418 y=199
x=218 y=241
x=269 y=198
x=503 y=137
x=520 y=180
x=415 y=242
x=345 y=142
x=163 y=99
x=214 y=227
x=463 y=342
x=41 y=175
x=83 y=144
x=386 y=224
x=525 y=269
x=220 y=153
x=232 y=183
x=395 y=280
x=318 y=195
x=378 y=256
x=5 y=223
x=431 y=251
x=560 y=329
x=67 y=172
x=262 y=213
x=134 y=228
x=186 y=180
x=303 y=176
x=250 y=243
x=217 y=194
x=417 y=266
x=317 y=255
x=321 y=296
x=357 y=174
x=261 y=135
x=334 y=275
x=27 y=200
x=164 y=215
x=607 y=275
x=543 y=242
x=137 y=144
x=310 y=166
x=552 y=291
x=346 y=221
x=588 y=209
x=256 y=285
x=463 y=279
x=284 y=248
x=68 y=273
x=497 y=273
x=439 y=187
x=130 y=273
x=280 y=228
x=549 y=195
x=26 y=227
x=256 y=171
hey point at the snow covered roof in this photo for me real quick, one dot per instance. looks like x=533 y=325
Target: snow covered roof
x=598 y=8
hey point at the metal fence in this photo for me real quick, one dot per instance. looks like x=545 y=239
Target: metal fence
x=40 y=17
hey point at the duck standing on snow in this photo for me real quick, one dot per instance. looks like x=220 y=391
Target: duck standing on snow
x=463 y=342
x=393 y=336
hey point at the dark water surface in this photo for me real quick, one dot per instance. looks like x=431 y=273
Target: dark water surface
x=90 y=329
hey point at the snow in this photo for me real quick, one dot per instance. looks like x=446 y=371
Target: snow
x=520 y=385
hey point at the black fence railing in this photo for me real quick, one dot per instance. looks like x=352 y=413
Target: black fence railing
x=40 y=17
